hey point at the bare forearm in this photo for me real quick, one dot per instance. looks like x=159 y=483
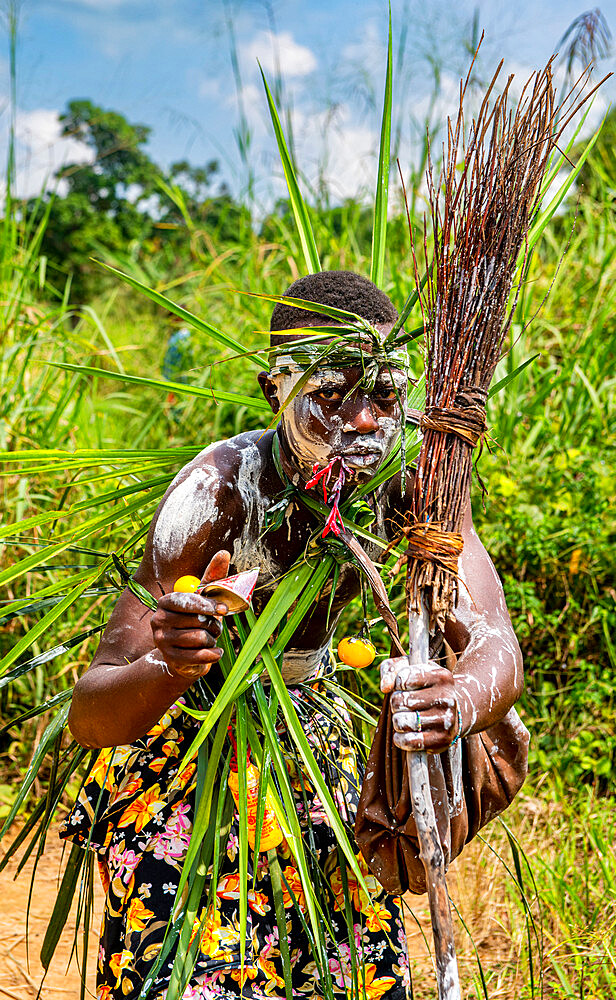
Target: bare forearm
x=115 y=704
x=432 y=706
x=488 y=678
x=145 y=662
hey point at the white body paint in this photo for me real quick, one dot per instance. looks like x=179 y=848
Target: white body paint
x=247 y=549
x=485 y=635
x=457 y=797
x=190 y=504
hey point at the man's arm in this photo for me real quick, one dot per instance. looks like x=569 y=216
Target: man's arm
x=428 y=702
x=146 y=660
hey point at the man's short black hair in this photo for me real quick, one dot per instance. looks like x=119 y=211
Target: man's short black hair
x=343 y=289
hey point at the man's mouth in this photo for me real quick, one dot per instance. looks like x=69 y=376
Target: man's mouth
x=361 y=457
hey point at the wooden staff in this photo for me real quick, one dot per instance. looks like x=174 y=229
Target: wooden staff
x=430 y=848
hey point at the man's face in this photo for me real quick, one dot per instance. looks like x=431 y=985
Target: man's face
x=334 y=415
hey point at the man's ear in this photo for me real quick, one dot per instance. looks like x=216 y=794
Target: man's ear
x=269 y=390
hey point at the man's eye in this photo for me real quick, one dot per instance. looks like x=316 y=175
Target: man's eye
x=385 y=395
x=329 y=394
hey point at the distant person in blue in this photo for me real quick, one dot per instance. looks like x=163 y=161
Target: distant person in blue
x=177 y=362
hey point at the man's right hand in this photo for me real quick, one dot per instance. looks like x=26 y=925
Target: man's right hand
x=186 y=626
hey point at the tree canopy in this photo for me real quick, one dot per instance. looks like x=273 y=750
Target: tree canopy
x=121 y=204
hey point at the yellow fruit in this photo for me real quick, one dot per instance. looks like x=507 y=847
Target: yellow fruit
x=355 y=651
x=186 y=584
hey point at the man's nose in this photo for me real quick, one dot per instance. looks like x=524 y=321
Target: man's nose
x=362 y=419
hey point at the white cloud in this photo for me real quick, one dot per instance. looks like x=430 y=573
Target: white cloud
x=368 y=48
x=331 y=148
x=209 y=88
x=253 y=102
x=337 y=149
x=279 y=52
x=41 y=150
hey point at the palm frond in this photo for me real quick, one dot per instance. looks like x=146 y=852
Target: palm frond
x=211 y=332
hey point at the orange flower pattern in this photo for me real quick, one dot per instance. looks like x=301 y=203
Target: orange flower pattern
x=137 y=808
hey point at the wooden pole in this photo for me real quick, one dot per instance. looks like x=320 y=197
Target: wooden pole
x=430 y=849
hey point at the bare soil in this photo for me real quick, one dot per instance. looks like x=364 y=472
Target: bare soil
x=21 y=973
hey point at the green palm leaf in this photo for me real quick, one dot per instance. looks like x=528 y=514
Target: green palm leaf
x=307 y=755
x=181 y=388
x=69 y=599
x=194 y=871
x=548 y=212
x=62 y=906
x=211 y=332
x=502 y=383
x=48 y=738
x=101 y=500
x=287 y=592
x=340 y=315
x=295 y=836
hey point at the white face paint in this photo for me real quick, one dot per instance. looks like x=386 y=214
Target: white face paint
x=318 y=431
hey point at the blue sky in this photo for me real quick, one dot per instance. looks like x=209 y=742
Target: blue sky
x=166 y=63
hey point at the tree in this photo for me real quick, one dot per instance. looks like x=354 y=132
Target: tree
x=192 y=204
x=121 y=204
x=106 y=207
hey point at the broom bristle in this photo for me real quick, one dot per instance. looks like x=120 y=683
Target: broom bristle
x=480 y=216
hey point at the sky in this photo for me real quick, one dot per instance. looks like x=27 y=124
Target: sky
x=167 y=64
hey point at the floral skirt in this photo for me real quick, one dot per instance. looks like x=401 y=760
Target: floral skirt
x=141 y=833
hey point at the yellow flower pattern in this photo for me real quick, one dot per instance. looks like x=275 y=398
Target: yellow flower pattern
x=137 y=915
x=139 y=812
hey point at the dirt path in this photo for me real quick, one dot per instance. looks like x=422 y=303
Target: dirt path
x=19 y=977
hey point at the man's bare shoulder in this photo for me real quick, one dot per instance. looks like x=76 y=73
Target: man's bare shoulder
x=222 y=461
x=208 y=498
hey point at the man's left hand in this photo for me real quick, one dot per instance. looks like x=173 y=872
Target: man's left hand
x=424 y=704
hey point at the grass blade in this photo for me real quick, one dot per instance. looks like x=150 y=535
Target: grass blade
x=242 y=747
x=62 y=906
x=47 y=739
x=281 y=920
x=298 y=205
x=379 y=226
x=195 y=321
x=300 y=740
x=285 y=595
x=511 y=376
x=180 y=388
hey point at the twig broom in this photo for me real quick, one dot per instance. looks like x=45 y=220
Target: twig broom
x=480 y=215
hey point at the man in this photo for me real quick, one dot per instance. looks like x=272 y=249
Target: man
x=212 y=519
